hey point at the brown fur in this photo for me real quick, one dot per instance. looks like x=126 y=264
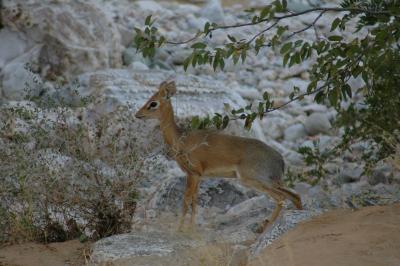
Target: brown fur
x=212 y=154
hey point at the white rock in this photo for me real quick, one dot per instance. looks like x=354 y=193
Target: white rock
x=270 y=74
x=273 y=126
x=77 y=37
x=149 y=6
x=295 y=132
x=11 y=46
x=249 y=93
x=196 y=23
x=18 y=82
x=213 y=11
x=138 y=66
x=317 y=123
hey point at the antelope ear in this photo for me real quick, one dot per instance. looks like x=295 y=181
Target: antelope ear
x=167 y=89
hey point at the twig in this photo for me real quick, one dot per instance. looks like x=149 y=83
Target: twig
x=312 y=92
x=306 y=28
x=279 y=18
x=297 y=98
x=261 y=32
x=184 y=42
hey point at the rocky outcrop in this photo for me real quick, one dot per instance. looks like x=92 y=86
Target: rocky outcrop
x=74 y=37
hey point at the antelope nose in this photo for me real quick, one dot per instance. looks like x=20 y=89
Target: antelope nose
x=137 y=115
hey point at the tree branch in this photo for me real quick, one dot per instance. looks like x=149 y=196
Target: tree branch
x=279 y=18
x=308 y=26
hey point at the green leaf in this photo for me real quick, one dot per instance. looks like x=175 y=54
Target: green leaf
x=186 y=63
x=195 y=123
x=278 y=5
x=335 y=38
x=335 y=23
x=199 y=45
x=348 y=90
x=206 y=27
x=264 y=12
x=333 y=96
x=247 y=123
x=266 y=96
x=231 y=38
x=250 y=10
x=281 y=30
x=260 y=108
x=286 y=48
x=148 y=20
x=284 y=4
x=161 y=41
x=319 y=97
x=225 y=122
x=243 y=56
x=221 y=63
x=311 y=86
x=298 y=43
x=286 y=58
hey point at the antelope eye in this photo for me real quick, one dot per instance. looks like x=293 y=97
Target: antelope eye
x=153 y=105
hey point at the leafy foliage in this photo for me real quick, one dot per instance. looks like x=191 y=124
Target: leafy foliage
x=370 y=56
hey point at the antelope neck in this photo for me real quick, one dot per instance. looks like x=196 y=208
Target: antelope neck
x=169 y=129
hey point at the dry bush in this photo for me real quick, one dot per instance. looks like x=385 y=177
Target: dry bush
x=62 y=177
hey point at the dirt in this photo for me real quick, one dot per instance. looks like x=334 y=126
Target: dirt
x=33 y=254
x=366 y=237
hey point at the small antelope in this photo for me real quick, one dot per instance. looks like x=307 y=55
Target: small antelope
x=209 y=153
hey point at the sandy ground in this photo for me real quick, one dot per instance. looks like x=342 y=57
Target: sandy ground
x=32 y=254
x=367 y=237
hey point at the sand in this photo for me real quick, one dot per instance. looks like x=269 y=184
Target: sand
x=366 y=237
x=33 y=254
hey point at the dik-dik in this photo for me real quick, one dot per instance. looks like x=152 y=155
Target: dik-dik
x=203 y=153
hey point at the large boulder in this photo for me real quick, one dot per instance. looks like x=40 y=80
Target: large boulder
x=76 y=36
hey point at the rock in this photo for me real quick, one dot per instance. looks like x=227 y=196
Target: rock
x=247 y=92
x=155 y=248
x=270 y=74
x=294 y=132
x=294 y=159
x=285 y=222
x=302 y=84
x=351 y=173
x=138 y=66
x=161 y=248
x=314 y=107
x=301 y=5
x=149 y=7
x=213 y=12
x=323 y=143
x=178 y=57
x=11 y=46
x=317 y=123
x=302 y=188
x=116 y=88
x=378 y=176
x=18 y=79
x=273 y=126
x=130 y=55
x=77 y=37
x=196 y=23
